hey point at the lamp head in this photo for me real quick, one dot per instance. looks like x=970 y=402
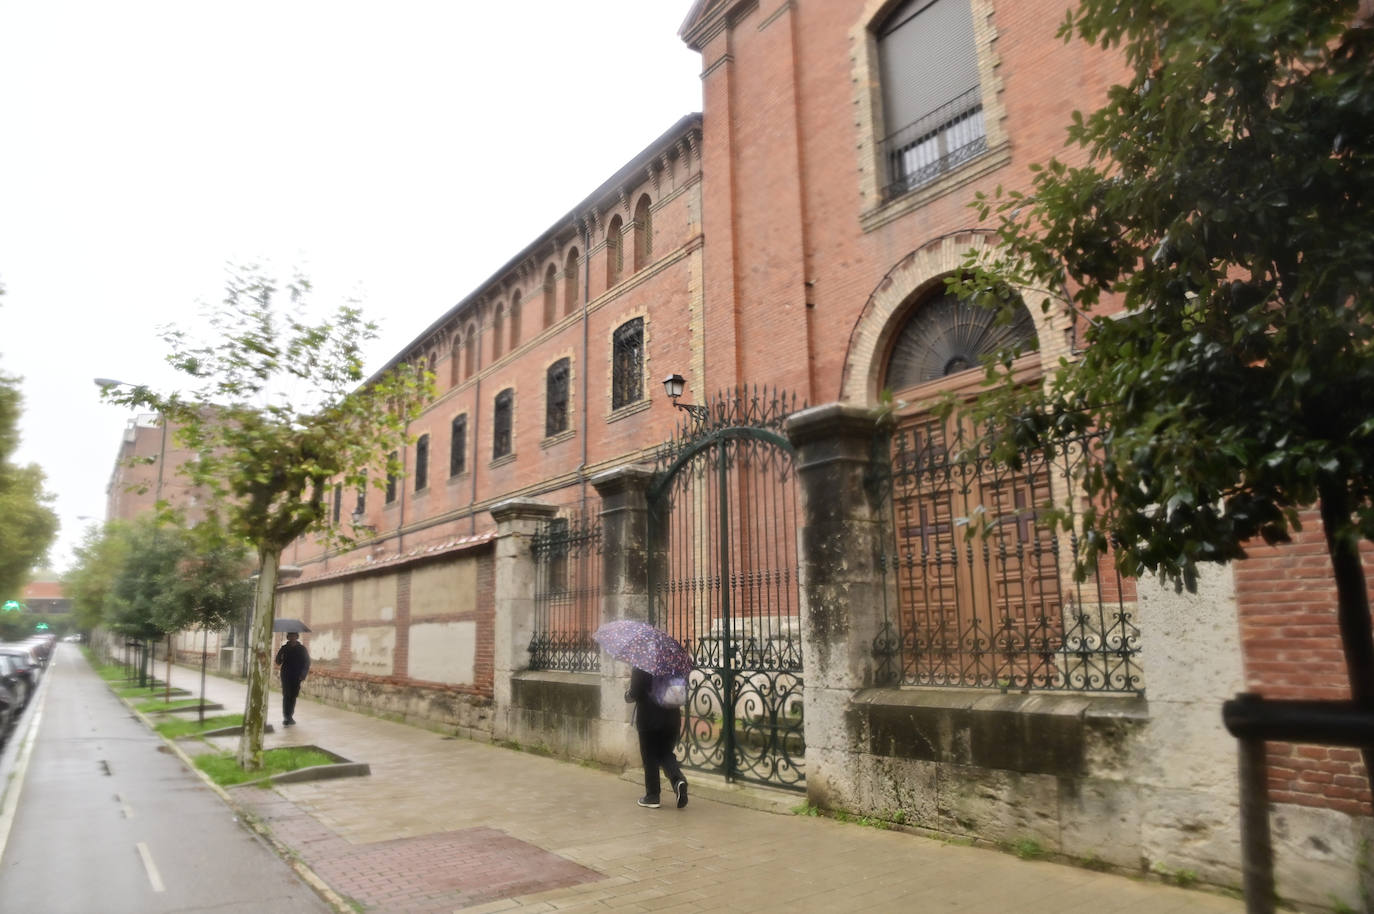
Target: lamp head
x=674 y=384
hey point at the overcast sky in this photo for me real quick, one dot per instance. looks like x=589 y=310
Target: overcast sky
x=400 y=151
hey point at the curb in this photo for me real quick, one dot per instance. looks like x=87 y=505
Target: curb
x=251 y=821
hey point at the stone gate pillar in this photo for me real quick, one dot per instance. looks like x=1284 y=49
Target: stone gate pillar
x=840 y=546
x=624 y=593
x=513 y=599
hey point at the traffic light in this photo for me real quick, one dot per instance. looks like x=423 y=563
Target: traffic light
x=13 y=606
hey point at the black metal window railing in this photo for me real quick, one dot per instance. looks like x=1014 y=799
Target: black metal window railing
x=981 y=591
x=940 y=141
x=567 y=594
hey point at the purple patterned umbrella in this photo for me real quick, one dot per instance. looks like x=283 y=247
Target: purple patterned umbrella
x=641 y=645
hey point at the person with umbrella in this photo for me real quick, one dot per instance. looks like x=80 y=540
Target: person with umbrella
x=657 y=660
x=293 y=661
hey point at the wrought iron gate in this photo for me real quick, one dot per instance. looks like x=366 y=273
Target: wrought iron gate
x=723 y=581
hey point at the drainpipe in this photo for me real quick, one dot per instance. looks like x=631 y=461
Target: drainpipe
x=476 y=424
x=586 y=291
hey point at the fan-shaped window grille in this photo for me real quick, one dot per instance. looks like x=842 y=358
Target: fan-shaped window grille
x=946 y=336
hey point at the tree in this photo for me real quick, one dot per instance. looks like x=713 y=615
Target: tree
x=27 y=523
x=213 y=588
x=279 y=412
x=143 y=601
x=98 y=561
x=1223 y=212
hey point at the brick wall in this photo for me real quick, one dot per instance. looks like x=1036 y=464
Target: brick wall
x=1292 y=649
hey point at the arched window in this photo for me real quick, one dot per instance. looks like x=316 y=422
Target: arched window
x=550 y=296
x=570 y=283
x=945 y=335
x=498 y=328
x=422 y=463
x=470 y=351
x=458 y=445
x=627 y=363
x=501 y=423
x=615 y=257
x=514 y=320
x=455 y=361
x=556 y=398
x=644 y=234
x=932 y=102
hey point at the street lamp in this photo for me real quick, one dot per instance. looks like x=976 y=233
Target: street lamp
x=105 y=384
x=674 y=384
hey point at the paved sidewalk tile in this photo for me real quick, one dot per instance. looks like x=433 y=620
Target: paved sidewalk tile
x=446 y=824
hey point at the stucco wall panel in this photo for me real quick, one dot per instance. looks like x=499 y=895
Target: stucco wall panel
x=443 y=652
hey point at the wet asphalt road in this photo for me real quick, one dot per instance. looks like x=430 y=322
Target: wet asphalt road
x=108 y=821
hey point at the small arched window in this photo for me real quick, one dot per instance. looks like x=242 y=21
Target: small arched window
x=570 y=283
x=469 y=351
x=615 y=257
x=644 y=234
x=498 y=329
x=550 y=296
x=515 y=320
x=455 y=361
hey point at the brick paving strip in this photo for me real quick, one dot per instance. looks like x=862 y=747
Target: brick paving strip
x=420 y=875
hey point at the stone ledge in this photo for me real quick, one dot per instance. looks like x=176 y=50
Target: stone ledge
x=1061 y=735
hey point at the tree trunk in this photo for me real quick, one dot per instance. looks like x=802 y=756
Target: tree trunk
x=1352 y=606
x=204 y=654
x=260 y=661
x=167 y=693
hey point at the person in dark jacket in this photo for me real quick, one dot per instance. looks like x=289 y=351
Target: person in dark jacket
x=293 y=660
x=658 y=731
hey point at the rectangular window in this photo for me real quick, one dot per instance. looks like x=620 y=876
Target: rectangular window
x=360 y=509
x=501 y=424
x=458 y=445
x=422 y=463
x=391 y=477
x=932 y=103
x=627 y=381
x=338 y=501
x=556 y=399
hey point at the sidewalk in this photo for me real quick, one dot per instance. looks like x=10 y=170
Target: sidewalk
x=445 y=824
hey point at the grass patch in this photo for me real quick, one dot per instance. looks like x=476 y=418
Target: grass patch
x=223 y=768
x=152 y=706
x=1027 y=849
x=137 y=691
x=175 y=729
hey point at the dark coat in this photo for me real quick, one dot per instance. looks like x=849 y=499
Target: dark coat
x=649 y=714
x=294 y=661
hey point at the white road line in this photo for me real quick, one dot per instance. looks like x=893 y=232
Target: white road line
x=153 y=878
x=16 y=784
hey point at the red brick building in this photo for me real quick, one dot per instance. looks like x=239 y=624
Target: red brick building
x=797 y=235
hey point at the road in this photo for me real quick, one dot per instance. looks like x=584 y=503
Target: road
x=107 y=820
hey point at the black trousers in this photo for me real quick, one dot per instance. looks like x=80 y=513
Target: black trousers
x=289 y=690
x=656 y=751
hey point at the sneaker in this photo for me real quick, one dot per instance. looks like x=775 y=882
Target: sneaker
x=681 y=794
x=648 y=802
x=288 y=723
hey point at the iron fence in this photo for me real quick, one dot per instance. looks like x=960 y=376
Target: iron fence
x=981 y=591
x=567 y=594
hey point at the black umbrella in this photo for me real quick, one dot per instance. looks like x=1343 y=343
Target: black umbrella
x=289 y=625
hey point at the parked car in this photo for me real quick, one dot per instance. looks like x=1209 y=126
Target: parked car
x=15 y=679
x=9 y=712
x=24 y=658
x=43 y=645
